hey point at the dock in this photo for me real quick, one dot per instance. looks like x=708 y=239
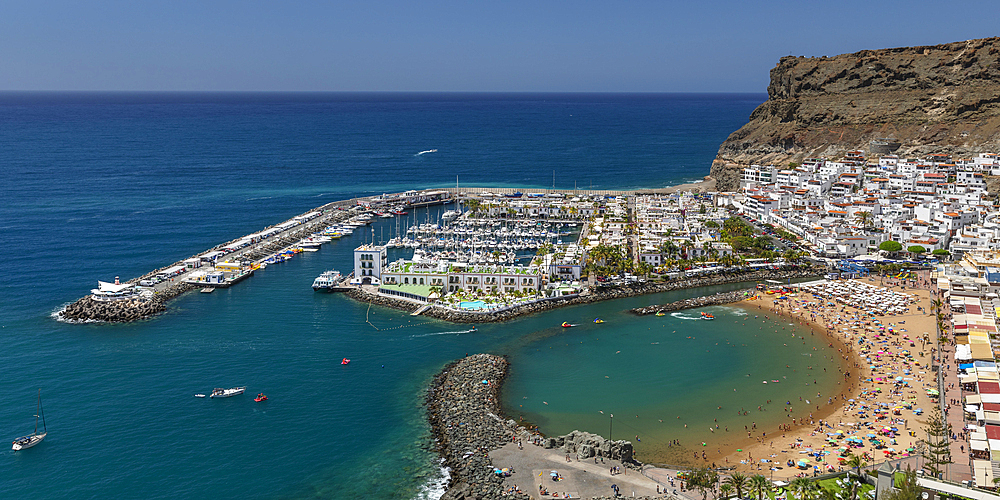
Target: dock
x=248 y=254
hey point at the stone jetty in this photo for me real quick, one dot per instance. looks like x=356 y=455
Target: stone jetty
x=119 y=311
x=595 y=295
x=708 y=300
x=463 y=406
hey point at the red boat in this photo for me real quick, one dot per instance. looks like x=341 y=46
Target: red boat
x=566 y=324
x=345 y=361
x=260 y=397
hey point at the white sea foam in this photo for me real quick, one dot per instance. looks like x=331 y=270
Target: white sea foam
x=457 y=332
x=436 y=486
x=682 y=316
x=733 y=311
x=56 y=314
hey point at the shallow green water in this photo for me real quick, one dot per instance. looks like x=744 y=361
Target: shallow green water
x=665 y=378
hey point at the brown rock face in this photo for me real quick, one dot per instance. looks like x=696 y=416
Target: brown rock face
x=941 y=98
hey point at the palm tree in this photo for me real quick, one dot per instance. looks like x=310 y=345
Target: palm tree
x=759 y=485
x=864 y=219
x=725 y=490
x=738 y=481
x=856 y=462
x=803 y=487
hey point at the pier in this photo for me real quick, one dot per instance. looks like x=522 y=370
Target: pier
x=229 y=263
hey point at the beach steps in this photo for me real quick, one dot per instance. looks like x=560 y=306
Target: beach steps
x=420 y=310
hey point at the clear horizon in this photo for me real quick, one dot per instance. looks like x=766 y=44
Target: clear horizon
x=716 y=46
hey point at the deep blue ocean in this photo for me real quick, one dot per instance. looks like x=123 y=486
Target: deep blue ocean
x=98 y=185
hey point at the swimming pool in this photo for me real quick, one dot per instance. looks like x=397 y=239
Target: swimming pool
x=475 y=305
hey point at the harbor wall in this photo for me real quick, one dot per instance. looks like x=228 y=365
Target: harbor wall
x=464 y=411
x=597 y=295
x=708 y=300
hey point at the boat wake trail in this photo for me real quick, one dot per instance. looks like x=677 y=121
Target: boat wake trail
x=459 y=332
x=682 y=316
x=425 y=152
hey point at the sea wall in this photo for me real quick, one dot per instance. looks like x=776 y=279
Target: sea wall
x=463 y=406
x=709 y=300
x=87 y=309
x=596 y=295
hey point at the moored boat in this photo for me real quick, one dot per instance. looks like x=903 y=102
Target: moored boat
x=329 y=281
x=260 y=397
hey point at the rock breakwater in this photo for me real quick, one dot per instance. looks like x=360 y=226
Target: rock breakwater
x=463 y=406
x=709 y=300
x=589 y=296
x=119 y=311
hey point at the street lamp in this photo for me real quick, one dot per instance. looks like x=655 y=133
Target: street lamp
x=611 y=426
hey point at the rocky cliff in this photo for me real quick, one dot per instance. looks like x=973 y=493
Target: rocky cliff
x=941 y=98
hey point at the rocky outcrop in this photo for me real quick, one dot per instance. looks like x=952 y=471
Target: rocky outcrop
x=586 y=445
x=119 y=311
x=708 y=300
x=932 y=99
x=463 y=406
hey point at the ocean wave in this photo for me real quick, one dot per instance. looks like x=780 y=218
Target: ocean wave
x=436 y=486
x=682 y=316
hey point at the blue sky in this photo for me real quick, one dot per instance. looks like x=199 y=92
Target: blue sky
x=390 y=45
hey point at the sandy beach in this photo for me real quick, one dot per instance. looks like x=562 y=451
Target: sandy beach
x=885 y=369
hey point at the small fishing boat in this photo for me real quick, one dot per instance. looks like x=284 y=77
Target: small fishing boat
x=35 y=438
x=260 y=397
x=199 y=395
x=345 y=361
x=227 y=393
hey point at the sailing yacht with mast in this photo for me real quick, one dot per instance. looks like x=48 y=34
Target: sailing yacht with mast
x=35 y=438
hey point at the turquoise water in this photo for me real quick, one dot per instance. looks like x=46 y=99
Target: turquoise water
x=474 y=305
x=104 y=185
x=648 y=371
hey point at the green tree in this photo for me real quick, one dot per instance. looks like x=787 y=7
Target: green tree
x=890 y=246
x=940 y=251
x=738 y=481
x=855 y=462
x=804 y=488
x=906 y=487
x=760 y=486
x=917 y=249
x=711 y=224
x=937 y=452
x=864 y=219
x=703 y=479
x=725 y=491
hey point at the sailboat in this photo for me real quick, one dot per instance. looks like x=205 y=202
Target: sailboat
x=35 y=438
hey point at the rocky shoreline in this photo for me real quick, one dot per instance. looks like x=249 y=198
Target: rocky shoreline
x=708 y=300
x=463 y=407
x=585 y=298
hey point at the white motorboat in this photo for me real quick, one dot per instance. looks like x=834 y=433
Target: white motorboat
x=34 y=438
x=199 y=395
x=227 y=393
x=329 y=281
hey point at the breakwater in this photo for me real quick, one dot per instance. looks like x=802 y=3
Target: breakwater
x=708 y=300
x=590 y=296
x=463 y=406
x=87 y=309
